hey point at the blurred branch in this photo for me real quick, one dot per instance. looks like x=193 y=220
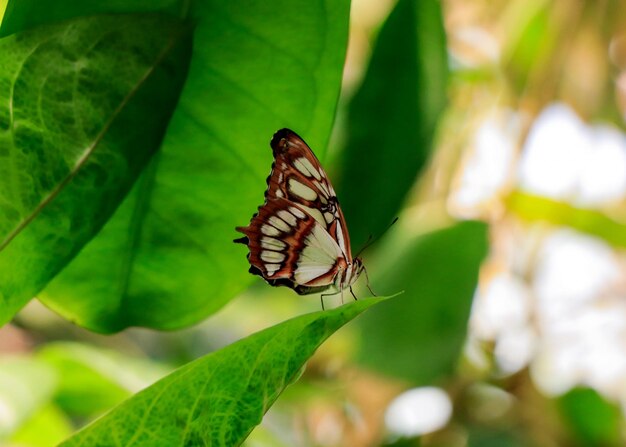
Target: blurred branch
x=533 y=208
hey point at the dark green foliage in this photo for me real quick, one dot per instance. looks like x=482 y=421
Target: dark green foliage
x=85 y=105
x=24 y=14
x=593 y=420
x=392 y=117
x=426 y=326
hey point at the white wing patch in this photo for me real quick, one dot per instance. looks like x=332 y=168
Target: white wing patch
x=318 y=257
x=288 y=217
x=306 y=168
x=301 y=190
x=269 y=230
x=296 y=212
x=272 y=256
x=340 y=239
x=323 y=187
x=271 y=243
x=279 y=223
x=315 y=214
x=271 y=268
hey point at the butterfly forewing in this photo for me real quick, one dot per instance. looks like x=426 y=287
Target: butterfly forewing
x=298 y=176
x=298 y=238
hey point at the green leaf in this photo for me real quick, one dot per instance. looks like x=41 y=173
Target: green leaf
x=3 y=7
x=591 y=419
x=426 y=326
x=26 y=385
x=46 y=428
x=24 y=14
x=166 y=259
x=93 y=380
x=392 y=117
x=220 y=398
x=83 y=106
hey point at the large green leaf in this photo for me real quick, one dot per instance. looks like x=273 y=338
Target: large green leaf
x=166 y=259
x=392 y=117
x=426 y=326
x=24 y=14
x=83 y=106
x=218 y=399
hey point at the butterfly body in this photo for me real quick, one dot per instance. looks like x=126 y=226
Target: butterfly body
x=298 y=238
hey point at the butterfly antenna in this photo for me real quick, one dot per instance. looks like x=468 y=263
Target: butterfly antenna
x=353 y=295
x=371 y=240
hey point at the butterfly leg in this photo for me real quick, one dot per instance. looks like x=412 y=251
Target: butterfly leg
x=329 y=294
x=353 y=295
x=367 y=280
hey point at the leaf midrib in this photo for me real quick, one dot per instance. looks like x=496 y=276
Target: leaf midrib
x=89 y=150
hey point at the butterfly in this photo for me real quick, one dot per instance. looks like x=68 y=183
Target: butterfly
x=298 y=238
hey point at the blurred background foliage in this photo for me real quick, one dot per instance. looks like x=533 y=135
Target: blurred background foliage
x=512 y=327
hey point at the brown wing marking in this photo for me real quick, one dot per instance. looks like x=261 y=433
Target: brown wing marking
x=275 y=244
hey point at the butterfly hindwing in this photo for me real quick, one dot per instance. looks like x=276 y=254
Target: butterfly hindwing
x=289 y=247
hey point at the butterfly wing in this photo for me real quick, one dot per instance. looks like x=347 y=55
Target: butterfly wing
x=298 y=176
x=298 y=238
x=289 y=247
